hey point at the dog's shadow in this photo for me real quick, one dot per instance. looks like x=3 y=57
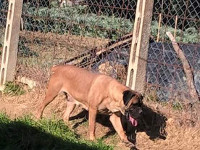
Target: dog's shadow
x=152 y=123
x=83 y=115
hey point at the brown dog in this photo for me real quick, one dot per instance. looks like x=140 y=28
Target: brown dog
x=95 y=92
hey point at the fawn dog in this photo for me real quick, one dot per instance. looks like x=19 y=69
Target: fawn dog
x=96 y=92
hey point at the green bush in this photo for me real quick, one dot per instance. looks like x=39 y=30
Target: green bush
x=190 y=35
x=77 y=21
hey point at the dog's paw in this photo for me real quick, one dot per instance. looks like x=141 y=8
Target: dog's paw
x=128 y=144
x=36 y=115
x=92 y=138
x=134 y=148
x=66 y=121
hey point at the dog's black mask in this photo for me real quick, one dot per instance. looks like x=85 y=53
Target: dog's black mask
x=134 y=110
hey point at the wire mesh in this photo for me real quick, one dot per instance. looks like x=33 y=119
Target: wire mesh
x=165 y=71
x=96 y=34
x=3 y=16
x=54 y=31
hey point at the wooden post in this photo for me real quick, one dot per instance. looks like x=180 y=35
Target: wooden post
x=159 y=26
x=176 y=22
x=10 y=47
x=140 y=44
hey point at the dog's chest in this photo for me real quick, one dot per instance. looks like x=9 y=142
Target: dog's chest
x=108 y=107
x=101 y=109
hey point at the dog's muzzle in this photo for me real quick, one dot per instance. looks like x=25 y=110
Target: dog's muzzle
x=132 y=120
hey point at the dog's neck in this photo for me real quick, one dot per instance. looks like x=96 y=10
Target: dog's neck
x=117 y=91
x=117 y=95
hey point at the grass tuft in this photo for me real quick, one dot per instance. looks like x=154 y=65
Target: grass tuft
x=13 y=89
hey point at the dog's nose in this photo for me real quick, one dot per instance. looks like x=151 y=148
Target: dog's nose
x=140 y=111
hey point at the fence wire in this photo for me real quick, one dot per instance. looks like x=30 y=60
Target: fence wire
x=55 y=31
x=165 y=72
x=97 y=35
x=3 y=16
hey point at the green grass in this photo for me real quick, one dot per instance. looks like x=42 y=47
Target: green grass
x=177 y=106
x=13 y=89
x=27 y=134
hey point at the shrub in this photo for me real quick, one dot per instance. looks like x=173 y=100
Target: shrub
x=76 y=21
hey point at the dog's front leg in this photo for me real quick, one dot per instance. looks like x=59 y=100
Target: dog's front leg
x=92 y=121
x=116 y=122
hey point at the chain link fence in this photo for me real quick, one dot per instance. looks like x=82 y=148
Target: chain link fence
x=3 y=16
x=97 y=35
x=166 y=76
x=55 y=31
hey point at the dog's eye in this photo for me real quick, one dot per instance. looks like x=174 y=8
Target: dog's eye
x=133 y=107
x=140 y=111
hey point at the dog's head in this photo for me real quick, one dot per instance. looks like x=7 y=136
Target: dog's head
x=133 y=106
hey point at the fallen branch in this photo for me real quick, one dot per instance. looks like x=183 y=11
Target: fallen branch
x=114 y=45
x=96 y=52
x=94 y=56
x=186 y=68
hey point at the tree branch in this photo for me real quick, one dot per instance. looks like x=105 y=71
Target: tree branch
x=186 y=68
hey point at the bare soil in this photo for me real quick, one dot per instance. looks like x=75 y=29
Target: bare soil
x=181 y=135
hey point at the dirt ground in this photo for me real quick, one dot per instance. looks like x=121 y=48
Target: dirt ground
x=180 y=135
x=181 y=132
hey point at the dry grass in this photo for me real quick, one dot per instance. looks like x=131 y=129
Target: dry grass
x=51 y=49
x=182 y=127
x=181 y=133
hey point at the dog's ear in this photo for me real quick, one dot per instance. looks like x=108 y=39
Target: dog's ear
x=140 y=98
x=127 y=95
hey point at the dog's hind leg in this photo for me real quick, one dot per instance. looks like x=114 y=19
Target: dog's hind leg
x=52 y=91
x=92 y=121
x=70 y=107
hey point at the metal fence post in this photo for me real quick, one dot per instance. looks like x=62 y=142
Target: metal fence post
x=139 y=48
x=10 y=47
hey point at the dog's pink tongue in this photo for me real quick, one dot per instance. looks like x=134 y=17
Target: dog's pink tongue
x=133 y=121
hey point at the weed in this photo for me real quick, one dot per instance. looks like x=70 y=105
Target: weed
x=152 y=96
x=13 y=89
x=177 y=106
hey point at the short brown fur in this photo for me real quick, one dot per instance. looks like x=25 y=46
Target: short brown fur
x=95 y=92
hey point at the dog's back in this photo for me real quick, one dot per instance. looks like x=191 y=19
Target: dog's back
x=81 y=83
x=76 y=81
